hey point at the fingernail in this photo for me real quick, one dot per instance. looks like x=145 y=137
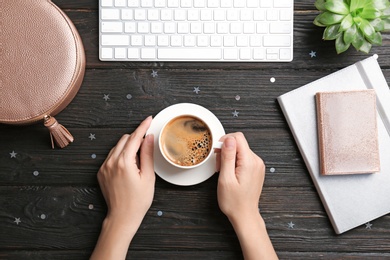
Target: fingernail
x=149 y=138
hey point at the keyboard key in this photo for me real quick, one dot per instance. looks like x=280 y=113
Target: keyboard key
x=283 y=3
x=226 y=3
x=230 y=54
x=107 y=53
x=162 y=40
x=120 y=3
x=189 y=40
x=115 y=40
x=239 y=3
x=245 y=54
x=148 y=53
x=159 y=3
x=150 y=40
x=206 y=15
x=189 y=54
x=176 y=40
x=140 y=14
x=146 y=3
x=109 y=14
x=106 y=3
x=120 y=53
x=213 y=3
x=153 y=14
x=216 y=41
x=173 y=3
x=157 y=27
x=132 y=53
x=130 y=27
x=277 y=40
x=136 y=40
x=127 y=14
x=285 y=54
x=143 y=27
x=202 y=41
x=258 y=54
x=185 y=3
x=111 y=27
x=285 y=15
x=209 y=28
x=199 y=3
x=133 y=3
x=280 y=28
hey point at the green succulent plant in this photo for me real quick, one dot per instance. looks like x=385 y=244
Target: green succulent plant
x=353 y=22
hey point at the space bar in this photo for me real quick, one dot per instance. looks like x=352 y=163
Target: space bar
x=189 y=54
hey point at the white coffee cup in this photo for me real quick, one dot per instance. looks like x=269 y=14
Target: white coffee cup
x=186 y=141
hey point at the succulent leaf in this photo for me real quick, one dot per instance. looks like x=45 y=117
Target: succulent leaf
x=320 y=5
x=370 y=13
x=332 y=32
x=380 y=4
x=328 y=18
x=346 y=23
x=336 y=6
x=366 y=47
x=367 y=29
x=357 y=4
x=386 y=23
x=377 y=40
x=316 y=21
x=358 y=41
x=378 y=24
x=350 y=34
x=341 y=46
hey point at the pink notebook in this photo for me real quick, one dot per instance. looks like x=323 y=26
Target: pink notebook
x=347 y=132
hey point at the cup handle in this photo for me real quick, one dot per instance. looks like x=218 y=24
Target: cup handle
x=218 y=145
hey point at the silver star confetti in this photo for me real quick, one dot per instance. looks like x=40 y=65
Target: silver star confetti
x=154 y=74
x=17 y=221
x=13 y=154
x=272 y=170
x=235 y=113
x=237 y=97
x=92 y=136
x=313 y=54
x=106 y=97
x=196 y=90
x=290 y=225
x=368 y=225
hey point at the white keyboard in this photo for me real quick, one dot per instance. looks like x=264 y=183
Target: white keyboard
x=196 y=30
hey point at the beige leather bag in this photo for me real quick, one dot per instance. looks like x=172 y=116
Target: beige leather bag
x=42 y=65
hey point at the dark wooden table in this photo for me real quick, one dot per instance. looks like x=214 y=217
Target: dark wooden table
x=56 y=197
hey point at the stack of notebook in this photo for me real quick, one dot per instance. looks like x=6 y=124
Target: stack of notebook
x=354 y=199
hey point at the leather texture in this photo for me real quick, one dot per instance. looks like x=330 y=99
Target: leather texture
x=42 y=61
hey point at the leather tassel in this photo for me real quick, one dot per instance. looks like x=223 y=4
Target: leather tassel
x=58 y=133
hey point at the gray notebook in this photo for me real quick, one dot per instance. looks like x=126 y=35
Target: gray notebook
x=349 y=200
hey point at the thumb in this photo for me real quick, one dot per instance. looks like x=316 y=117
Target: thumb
x=228 y=158
x=146 y=156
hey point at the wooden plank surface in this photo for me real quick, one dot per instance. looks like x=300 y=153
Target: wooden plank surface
x=55 y=193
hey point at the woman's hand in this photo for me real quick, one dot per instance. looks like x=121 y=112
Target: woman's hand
x=240 y=183
x=127 y=183
x=241 y=178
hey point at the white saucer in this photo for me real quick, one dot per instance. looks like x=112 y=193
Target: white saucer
x=170 y=173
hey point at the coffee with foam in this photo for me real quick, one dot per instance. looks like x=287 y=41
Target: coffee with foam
x=186 y=141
